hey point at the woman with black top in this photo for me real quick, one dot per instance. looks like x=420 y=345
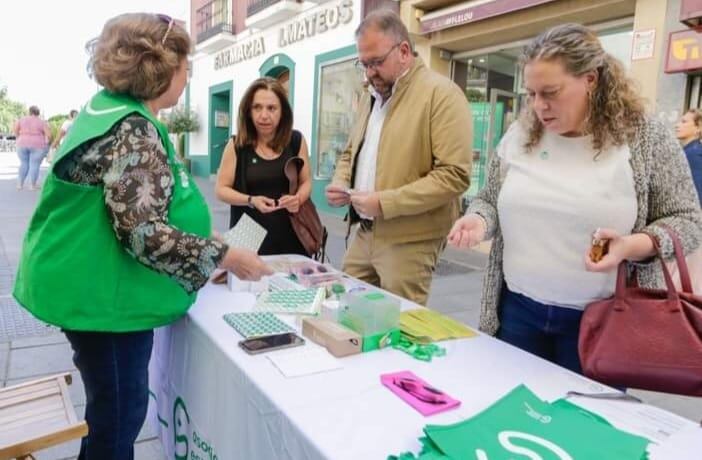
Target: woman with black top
x=251 y=177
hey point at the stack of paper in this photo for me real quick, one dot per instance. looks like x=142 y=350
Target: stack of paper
x=685 y=444
x=246 y=234
x=638 y=418
x=256 y=324
x=291 y=301
x=304 y=361
x=424 y=325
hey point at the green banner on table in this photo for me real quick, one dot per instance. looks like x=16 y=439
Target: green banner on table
x=521 y=426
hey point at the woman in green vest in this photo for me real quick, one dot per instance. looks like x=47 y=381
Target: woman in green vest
x=120 y=241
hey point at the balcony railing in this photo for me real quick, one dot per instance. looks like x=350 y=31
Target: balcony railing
x=213 y=18
x=254 y=6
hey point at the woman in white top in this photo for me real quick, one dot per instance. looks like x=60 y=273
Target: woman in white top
x=583 y=158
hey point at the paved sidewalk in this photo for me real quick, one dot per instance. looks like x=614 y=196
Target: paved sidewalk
x=29 y=349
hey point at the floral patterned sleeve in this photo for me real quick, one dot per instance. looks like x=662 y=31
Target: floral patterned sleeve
x=133 y=166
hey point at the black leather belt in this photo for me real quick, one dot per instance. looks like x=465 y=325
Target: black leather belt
x=366 y=225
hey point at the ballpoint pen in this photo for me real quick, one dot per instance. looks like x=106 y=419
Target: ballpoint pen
x=620 y=396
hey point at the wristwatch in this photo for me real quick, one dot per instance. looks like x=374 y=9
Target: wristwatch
x=249 y=202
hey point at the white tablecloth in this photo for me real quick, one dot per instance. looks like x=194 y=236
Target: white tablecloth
x=211 y=400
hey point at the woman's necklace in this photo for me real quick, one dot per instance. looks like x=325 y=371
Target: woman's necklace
x=267 y=155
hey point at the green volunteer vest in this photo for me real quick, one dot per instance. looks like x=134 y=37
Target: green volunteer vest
x=73 y=272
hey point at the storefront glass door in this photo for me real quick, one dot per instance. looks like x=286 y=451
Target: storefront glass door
x=490 y=83
x=493 y=87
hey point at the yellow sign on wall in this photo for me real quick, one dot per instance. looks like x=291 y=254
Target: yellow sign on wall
x=684 y=52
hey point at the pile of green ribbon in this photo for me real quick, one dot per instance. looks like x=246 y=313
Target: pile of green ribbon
x=520 y=425
x=420 y=351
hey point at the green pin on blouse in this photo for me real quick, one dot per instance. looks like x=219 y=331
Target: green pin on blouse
x=544 y=155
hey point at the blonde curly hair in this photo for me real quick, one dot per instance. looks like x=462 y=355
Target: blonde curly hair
x=696 y=119
x=137 y=54
x=614 y=108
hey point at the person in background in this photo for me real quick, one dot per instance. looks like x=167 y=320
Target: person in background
x=583 y=158
x=689 y=132
x=406 y=164
x=251 y=178
x=120 y=241
x=63 y=130
x=32 y=142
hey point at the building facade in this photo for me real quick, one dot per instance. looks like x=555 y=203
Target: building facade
x=477 y=44
x=308 y=46
x=680 y=82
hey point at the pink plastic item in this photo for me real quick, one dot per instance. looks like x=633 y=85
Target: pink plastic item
x=418 y=393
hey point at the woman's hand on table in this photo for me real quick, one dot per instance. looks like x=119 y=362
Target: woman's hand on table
x=245 y=264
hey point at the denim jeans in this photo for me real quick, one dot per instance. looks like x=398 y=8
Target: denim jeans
x=30 y=161
x=114 y=369
x=544 y=330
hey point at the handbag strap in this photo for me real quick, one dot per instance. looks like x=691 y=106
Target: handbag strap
x=625 y=283
x=292 y=172
x=294 y=164
x=684 y=272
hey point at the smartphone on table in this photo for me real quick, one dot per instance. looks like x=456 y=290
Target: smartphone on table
x=266 y=343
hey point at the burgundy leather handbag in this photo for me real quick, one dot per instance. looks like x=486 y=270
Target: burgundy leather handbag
x=646 y=338
x=305 y=222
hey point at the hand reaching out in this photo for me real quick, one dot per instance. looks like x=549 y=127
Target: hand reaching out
x=337 y=195
x=467 y=231
x=245 y=264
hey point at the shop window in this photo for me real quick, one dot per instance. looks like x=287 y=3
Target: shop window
x=492 y=84
x=618 y=44
x=693 y=97
x=340 y=89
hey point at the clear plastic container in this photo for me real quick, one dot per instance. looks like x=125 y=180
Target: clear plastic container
x=369 y=313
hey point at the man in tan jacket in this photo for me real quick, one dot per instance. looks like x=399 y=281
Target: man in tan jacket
x=406 y=164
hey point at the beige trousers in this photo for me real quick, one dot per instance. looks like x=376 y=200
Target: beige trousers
x=404 y=269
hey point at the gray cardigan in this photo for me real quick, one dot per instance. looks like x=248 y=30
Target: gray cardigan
x=664 y=191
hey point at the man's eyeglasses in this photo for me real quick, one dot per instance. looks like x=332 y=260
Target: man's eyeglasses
x=373 y=64
x=168 y=20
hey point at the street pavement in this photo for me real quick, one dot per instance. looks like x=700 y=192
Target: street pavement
x=30 y=349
